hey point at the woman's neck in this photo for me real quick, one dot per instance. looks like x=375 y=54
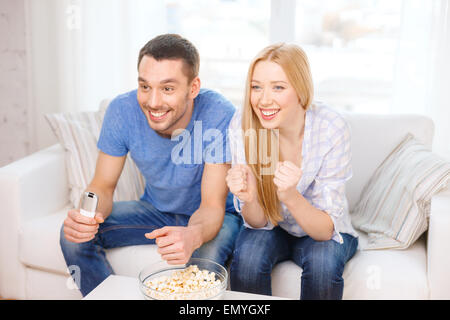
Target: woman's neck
x=294 y=131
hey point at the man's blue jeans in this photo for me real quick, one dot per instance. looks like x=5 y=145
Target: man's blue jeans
x=257 y=251
x=126 y=226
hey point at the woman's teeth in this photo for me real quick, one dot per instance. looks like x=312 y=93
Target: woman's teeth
x=269 y=113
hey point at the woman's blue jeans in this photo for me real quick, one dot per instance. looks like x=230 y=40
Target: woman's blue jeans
x=126 y=226
x=257 y=251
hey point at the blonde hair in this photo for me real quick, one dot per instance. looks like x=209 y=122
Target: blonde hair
x=295 y=64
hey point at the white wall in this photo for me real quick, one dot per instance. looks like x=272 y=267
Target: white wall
x=15 y=108
x=54 y=52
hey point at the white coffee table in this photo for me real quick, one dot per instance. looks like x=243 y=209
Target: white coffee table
x=127 y=288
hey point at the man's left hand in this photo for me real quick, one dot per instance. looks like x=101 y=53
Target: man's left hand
x=175 y=244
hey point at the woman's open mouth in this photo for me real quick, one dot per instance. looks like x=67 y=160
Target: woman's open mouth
x=269 y=114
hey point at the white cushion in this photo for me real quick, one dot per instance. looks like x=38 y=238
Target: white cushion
x=42 y=285
x=394 y=206
x=39 y=243
x=376 y=274
x=387 y=274
x=373 y=138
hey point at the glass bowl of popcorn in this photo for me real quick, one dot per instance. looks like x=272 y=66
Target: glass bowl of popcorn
x=199 y=279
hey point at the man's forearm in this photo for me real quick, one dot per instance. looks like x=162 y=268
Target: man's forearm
x=206 y=223
x=105 y=200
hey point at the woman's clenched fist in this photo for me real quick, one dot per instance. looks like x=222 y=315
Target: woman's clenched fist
x=242 y=183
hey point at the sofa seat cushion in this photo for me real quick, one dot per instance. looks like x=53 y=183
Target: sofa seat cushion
x=374 y=274
x=371 y=274
x=40 y=249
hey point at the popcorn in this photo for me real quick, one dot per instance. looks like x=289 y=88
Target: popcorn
x=190 y=283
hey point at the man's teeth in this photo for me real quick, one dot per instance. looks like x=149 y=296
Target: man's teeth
x=269 y=113
x=158 y=114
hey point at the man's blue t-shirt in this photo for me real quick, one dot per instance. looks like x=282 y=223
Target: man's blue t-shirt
x=172 y=167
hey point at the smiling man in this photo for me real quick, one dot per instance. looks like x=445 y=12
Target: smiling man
x=186 y=208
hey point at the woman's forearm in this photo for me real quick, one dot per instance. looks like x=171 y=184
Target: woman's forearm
x=253 y=214
x=316 y=223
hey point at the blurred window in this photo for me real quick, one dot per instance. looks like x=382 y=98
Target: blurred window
x=352 y=48
x=227 y=33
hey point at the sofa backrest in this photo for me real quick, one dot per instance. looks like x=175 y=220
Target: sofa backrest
x=373 y=139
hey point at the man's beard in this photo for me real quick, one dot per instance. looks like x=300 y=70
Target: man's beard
x=176 y=121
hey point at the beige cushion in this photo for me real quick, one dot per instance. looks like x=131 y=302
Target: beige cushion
x=78 y=133
x=394 y=206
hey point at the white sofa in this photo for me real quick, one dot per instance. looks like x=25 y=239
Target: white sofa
x=34 y=201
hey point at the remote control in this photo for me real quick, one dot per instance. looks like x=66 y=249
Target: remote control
x=89 y=203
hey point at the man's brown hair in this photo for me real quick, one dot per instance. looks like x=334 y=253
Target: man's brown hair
x=173 y=46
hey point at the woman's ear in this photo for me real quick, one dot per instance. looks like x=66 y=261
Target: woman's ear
x=300 y=103
x=195 y=87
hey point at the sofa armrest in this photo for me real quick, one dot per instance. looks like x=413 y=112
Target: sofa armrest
x=35 y=185
x=31 y=187
x=438 y=246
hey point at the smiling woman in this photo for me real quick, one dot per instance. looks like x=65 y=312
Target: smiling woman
x=276 y=99
x=299 y=210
